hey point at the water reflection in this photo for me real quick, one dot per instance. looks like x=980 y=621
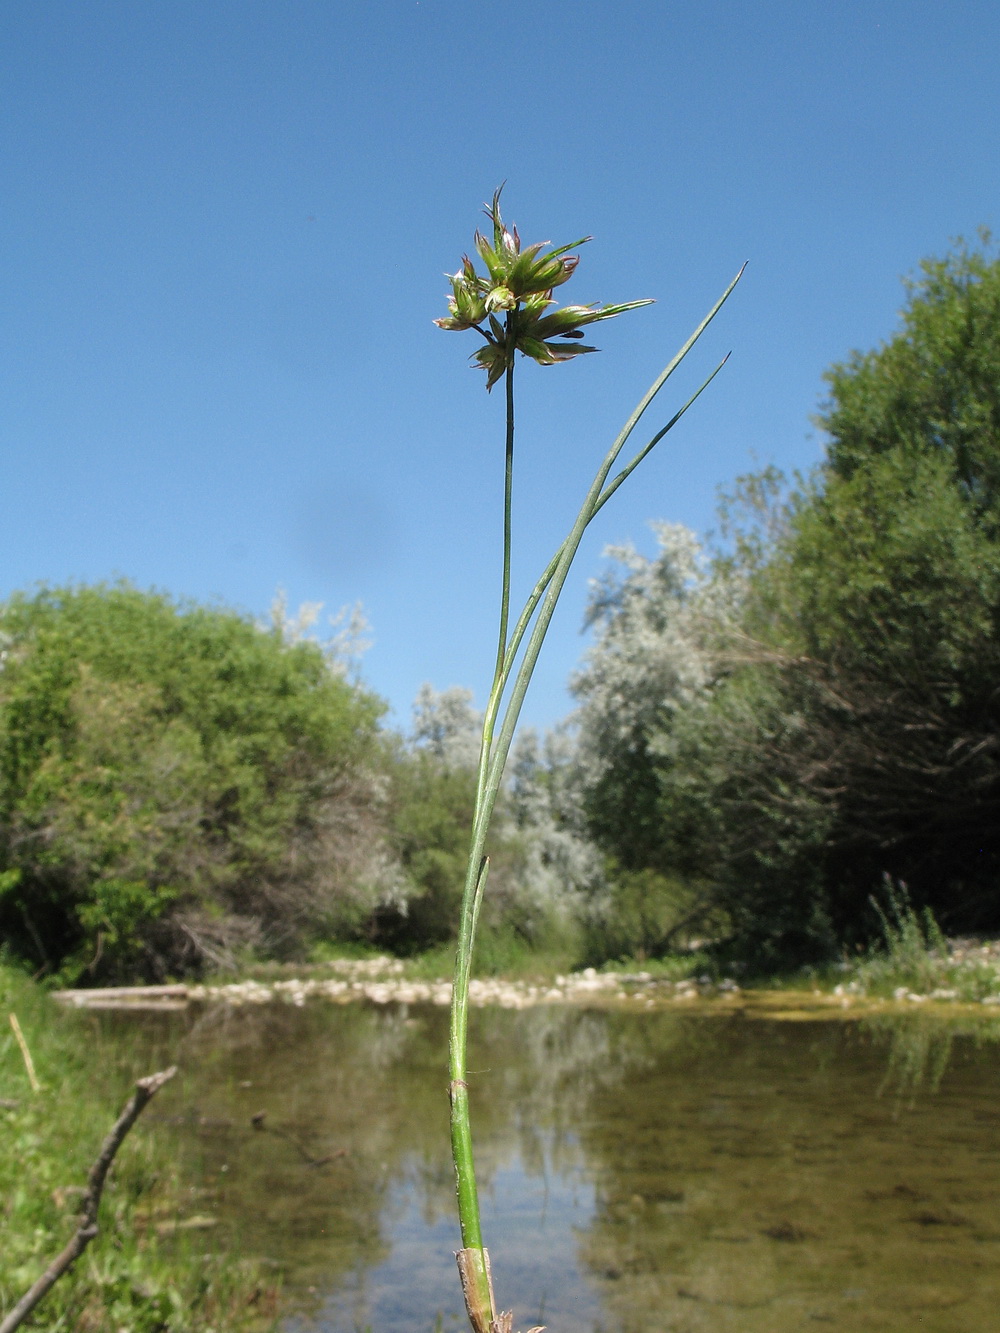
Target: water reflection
x=640 y=1172
x=919 y=1055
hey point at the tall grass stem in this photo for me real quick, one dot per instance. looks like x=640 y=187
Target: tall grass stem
x=535 y=617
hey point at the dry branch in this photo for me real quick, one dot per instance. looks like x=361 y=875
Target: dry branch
x=145 y=1090
x=29 y=1064
x=126 y=997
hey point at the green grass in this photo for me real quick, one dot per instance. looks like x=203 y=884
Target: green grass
x=913 y=959
x=672 y=967
x=498 y=953
x=916 y=959
x=131 y=1276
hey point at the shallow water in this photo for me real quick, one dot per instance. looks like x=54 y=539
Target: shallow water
x=640 y=1172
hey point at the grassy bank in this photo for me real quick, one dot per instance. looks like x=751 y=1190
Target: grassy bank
x=143 y=1273
x=914 y=962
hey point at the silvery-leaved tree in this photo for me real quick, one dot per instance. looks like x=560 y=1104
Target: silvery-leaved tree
x=658 y=625
x=511 y=308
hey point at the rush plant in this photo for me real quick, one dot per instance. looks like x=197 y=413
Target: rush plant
x=512 y=309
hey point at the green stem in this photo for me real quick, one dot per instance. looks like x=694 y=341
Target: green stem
x=475 y=883
x=501 y=671
x=461 y=1130
x=508 y=482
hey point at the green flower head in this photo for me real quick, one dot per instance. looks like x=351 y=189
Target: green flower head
x=518 y=285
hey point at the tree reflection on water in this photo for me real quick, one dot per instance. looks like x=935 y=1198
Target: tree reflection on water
x=642 y=1172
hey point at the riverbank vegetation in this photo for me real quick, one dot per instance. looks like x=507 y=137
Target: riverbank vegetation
x=146 y=1270
x=782 y=723
x=176 y=784
x=770 y=729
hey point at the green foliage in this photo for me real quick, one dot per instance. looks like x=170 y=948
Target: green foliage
x=913 y=958
x=431 y=806
x=879 y=611
x=432 y=812
x=934 y=388
x=914 y=947
x=130 y=1277
x=845 y=722
x=174 y=782
x=646 y=914
x=890 y=565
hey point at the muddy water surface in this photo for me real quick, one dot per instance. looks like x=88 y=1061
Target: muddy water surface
x=697 y=1172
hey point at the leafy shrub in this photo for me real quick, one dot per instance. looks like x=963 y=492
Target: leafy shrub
x=646 y=914
x=175 y=783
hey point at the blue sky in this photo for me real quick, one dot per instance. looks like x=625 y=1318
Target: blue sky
x=223 y=231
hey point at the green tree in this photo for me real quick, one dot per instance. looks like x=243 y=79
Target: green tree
x=934 y=387
x=646 y=690
x=175 y=783
x=879 y=749
x=432 y=797
x=432 y=805
x=847 y=720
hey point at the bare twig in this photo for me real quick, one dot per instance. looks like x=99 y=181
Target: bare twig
x=257 y=1120
x=145 y=1089
x=29 y=1064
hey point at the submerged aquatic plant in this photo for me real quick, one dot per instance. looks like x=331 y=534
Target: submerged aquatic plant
x=511 y=307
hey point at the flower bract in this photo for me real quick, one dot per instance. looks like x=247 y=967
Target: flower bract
x=518 y=286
